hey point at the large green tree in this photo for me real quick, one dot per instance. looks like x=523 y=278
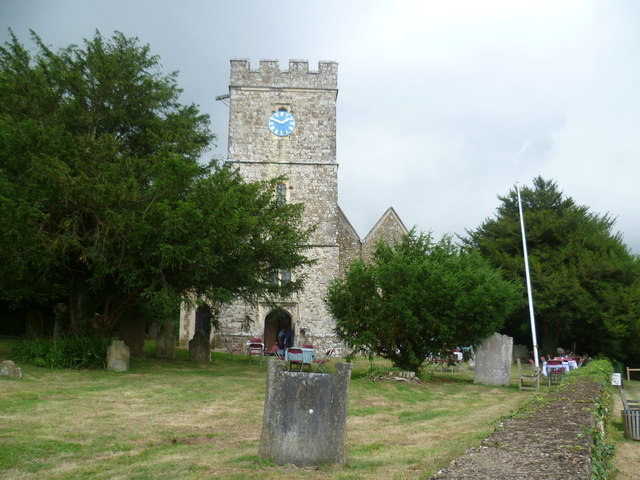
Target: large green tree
x=102 y=196
x=419 y=297
x=585 y=282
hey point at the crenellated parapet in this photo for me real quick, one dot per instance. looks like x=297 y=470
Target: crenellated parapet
x=270 y=75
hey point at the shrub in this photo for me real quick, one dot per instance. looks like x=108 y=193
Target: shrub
x=597 y=371
x=68 y=352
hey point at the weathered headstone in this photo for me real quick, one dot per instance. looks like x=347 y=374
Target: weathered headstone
x=166 y=342
x=34 y=323
x=118 y=356
x=133 y=331
x=493 y=360
x=305 y=416
x=153 y=329
x=200 y=348
x=10 y=369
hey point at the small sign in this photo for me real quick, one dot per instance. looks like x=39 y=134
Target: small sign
x=616 y=379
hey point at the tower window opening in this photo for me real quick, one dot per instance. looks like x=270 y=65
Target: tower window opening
x=281 y=193
x=280 y=277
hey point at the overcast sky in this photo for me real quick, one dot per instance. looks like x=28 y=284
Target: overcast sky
x=442 y=106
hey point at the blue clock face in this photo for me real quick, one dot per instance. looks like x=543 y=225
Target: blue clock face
x=282 y=123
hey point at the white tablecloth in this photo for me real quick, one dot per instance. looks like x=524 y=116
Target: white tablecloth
x=568 y=365
x=308 y=355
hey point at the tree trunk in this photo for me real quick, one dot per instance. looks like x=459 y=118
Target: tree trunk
x=77 y=306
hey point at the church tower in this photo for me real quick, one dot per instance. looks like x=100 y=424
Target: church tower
x=283 y=123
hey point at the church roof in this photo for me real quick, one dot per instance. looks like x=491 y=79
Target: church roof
x=389 y=215
x=343 y=217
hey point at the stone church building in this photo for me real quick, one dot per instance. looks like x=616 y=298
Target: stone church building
x=283 y=122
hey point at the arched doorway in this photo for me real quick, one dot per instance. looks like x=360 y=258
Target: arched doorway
x=275 y=321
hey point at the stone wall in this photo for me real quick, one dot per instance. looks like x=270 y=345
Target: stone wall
x=389 y=227
x=309 y=96
x=307 y=308
x=314 y=185
x=349 y=243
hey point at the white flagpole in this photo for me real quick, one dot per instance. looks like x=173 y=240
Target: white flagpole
x=526 y=269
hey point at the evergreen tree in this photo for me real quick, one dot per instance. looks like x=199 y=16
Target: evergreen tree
x=419 y=297
x=585 y=282
x=102 y=196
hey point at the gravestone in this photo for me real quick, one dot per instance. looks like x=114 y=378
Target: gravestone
x=166 y=342
x=200 y=348
x=10 y=369
x=305 y=416
x=493 y=360
x=34 y=323
x=118 y=356
x=133 y=331
x=153 y=330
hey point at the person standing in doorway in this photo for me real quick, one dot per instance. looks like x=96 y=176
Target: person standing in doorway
x=280 y=341
x=286 y=338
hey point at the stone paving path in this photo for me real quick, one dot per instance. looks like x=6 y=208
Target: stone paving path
x=551 y=443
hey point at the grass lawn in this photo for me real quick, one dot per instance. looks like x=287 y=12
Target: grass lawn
x=627 y=459
x=175 y=420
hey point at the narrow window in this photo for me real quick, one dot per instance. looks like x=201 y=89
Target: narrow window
x=280 y=277
x=281 y=193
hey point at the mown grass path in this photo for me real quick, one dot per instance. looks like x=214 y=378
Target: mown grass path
x=173 y=419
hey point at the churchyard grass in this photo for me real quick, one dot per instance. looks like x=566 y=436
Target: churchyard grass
x=169 y=419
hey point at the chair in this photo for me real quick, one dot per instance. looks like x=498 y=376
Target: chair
x=255 y=350
x=320 y=364
x=306 y=345
x=275 y=352
x=290 y=362
x=555 y=371
x=526 y=375
x=445 y=363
